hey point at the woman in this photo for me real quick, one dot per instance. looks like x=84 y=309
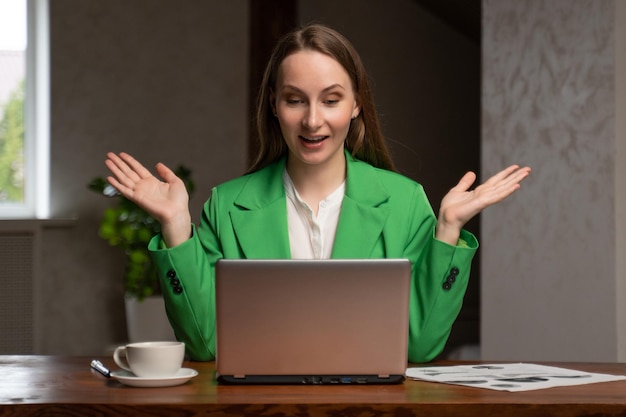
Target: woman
x=322 y=186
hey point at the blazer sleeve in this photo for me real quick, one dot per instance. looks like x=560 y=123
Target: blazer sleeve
x=187 y=273
x=440 y=277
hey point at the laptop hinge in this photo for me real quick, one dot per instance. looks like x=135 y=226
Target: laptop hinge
x=239 y=376
x=384 y=376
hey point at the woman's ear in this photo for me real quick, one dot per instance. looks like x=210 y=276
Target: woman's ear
x=356 y=110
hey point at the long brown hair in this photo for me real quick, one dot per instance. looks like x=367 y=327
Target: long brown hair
x=365 y=140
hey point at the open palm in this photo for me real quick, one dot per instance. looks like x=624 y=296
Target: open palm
x=461 y=204
x=164 y=200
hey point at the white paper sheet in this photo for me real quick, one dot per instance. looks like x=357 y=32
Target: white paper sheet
x=508 y=377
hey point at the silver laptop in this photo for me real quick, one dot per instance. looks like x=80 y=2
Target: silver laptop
x=312 y=321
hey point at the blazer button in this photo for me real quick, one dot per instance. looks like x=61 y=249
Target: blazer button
x=171 y=274
x=446 y=286
x=451 y=278
x=178 y=289
x=454 y=271
x=175 y=282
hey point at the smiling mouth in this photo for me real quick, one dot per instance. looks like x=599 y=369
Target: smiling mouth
x=315 y=139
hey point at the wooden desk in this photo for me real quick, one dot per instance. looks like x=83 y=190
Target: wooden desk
x=66 y=386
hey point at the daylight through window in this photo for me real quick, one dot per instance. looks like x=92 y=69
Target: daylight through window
x=12 y=76
x=24 y=109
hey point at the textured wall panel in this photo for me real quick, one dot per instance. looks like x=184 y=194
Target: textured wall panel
x=548 y=254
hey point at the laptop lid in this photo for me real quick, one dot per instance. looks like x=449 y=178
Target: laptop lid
x=312 y=321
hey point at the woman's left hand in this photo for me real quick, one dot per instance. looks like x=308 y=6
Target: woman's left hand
x=461 y=204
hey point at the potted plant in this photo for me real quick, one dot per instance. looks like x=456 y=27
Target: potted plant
x=128 y=227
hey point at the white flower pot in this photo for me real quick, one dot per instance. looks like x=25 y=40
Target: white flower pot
x=146 y=320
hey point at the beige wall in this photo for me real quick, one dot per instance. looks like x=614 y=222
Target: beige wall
x=549 y=256
x=620 y=175
x=164 y=80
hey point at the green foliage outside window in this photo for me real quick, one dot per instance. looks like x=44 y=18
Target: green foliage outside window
x=12 y=148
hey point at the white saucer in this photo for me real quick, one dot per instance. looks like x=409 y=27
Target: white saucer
x=128 y=378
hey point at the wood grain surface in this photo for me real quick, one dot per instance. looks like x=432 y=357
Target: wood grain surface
x=66 y=386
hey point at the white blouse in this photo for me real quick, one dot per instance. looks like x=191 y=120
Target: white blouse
x=310 y=236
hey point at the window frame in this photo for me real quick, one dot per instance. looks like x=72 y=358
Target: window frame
x=36 y=204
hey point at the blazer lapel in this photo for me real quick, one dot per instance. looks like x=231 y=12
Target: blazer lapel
x=363 y=212
x=260 y=215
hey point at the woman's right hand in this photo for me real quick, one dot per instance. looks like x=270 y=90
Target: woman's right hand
x=167 y=201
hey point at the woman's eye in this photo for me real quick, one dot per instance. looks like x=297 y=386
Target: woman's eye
x=294 y=101
x=331 y=102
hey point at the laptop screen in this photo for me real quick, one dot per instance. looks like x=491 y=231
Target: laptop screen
x=283 y=321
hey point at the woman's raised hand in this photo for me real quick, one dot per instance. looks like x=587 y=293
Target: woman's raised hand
x=461 y=203
x=167 y=200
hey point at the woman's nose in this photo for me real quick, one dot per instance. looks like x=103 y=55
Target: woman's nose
x=312 y=119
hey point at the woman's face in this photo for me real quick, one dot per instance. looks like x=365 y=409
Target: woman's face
x=314 y=102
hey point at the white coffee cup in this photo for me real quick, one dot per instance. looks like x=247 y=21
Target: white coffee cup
x=151 y=359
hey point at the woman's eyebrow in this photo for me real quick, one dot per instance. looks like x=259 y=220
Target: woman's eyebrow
x=330 y=87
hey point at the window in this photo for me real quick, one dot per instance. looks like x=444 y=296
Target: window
x=24 y=109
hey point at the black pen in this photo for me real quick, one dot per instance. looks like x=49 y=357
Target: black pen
x=98 y=366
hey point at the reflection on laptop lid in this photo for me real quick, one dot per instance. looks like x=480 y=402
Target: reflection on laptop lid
x=312 y=321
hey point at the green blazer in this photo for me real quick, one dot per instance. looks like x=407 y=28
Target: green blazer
x=383 y=215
